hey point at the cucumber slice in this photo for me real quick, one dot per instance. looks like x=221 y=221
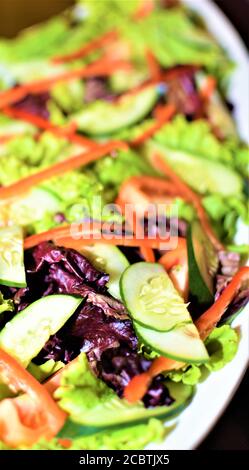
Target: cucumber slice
x=117 y=411
x=203 y=265
x=203 y=175
x=25 y=335
x=151 y=298
x=181 y=344
x=12 y=271
x=103 y=118
x=30 y=208
x=110 y=259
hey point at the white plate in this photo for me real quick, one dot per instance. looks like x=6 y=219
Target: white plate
x=214 y=395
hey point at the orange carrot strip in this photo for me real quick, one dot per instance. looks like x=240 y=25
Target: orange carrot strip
x=190 y=196
x=64 y=231
x=88 y=48
x=59 y=168
x=209 y=319
x=12 y=95
x=65 y=132
x=148 y=254
x=137 y=387
x=69 y=242
x=165 y=116
x=145 y=8
x=175 y=263
x=174 y=257
x=102 y=67
x=64 y=238
x=153 y=65
x=141 y=191
x=208 y=88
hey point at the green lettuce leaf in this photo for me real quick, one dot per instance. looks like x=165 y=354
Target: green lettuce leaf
x=197 y=138
x=43 y=371
x=6 y=305
x=111 y=172
x=173 y=35
x=14 y=127
x=189 y=376
x=222 y=345
x=175 y=39
x=69 y=95
x=225 y=212
x=25 y=155
x=89 y=402
x=128 y=438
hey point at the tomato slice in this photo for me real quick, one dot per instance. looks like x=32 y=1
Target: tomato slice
x=31 y=416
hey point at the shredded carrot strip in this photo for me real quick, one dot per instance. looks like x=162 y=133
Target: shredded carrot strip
x=155 y=243
x=64 y=231
x=103 y=67
x=148 y=254
x=209 y=319
x=145 y=8
x=69 y=164
x=65 y=236
x=154 y=67
x=88 y=48
x=165 y=116
x=190 y=196
x=157 y=113
x=174 y=257
x=65 y=132
x=12 y=95
x=208 y=88
x=138 y=190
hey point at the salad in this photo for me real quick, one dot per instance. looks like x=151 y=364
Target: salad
x=122 y=181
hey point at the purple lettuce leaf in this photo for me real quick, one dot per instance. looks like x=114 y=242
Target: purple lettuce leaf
x=183 y=94
x=35 y=104
x=96 y=88
x=58 y=270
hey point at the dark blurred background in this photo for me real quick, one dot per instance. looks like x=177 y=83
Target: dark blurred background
x=232 y=430
x=18 y=14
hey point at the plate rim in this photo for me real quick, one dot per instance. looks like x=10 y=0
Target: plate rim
x=233 y=43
